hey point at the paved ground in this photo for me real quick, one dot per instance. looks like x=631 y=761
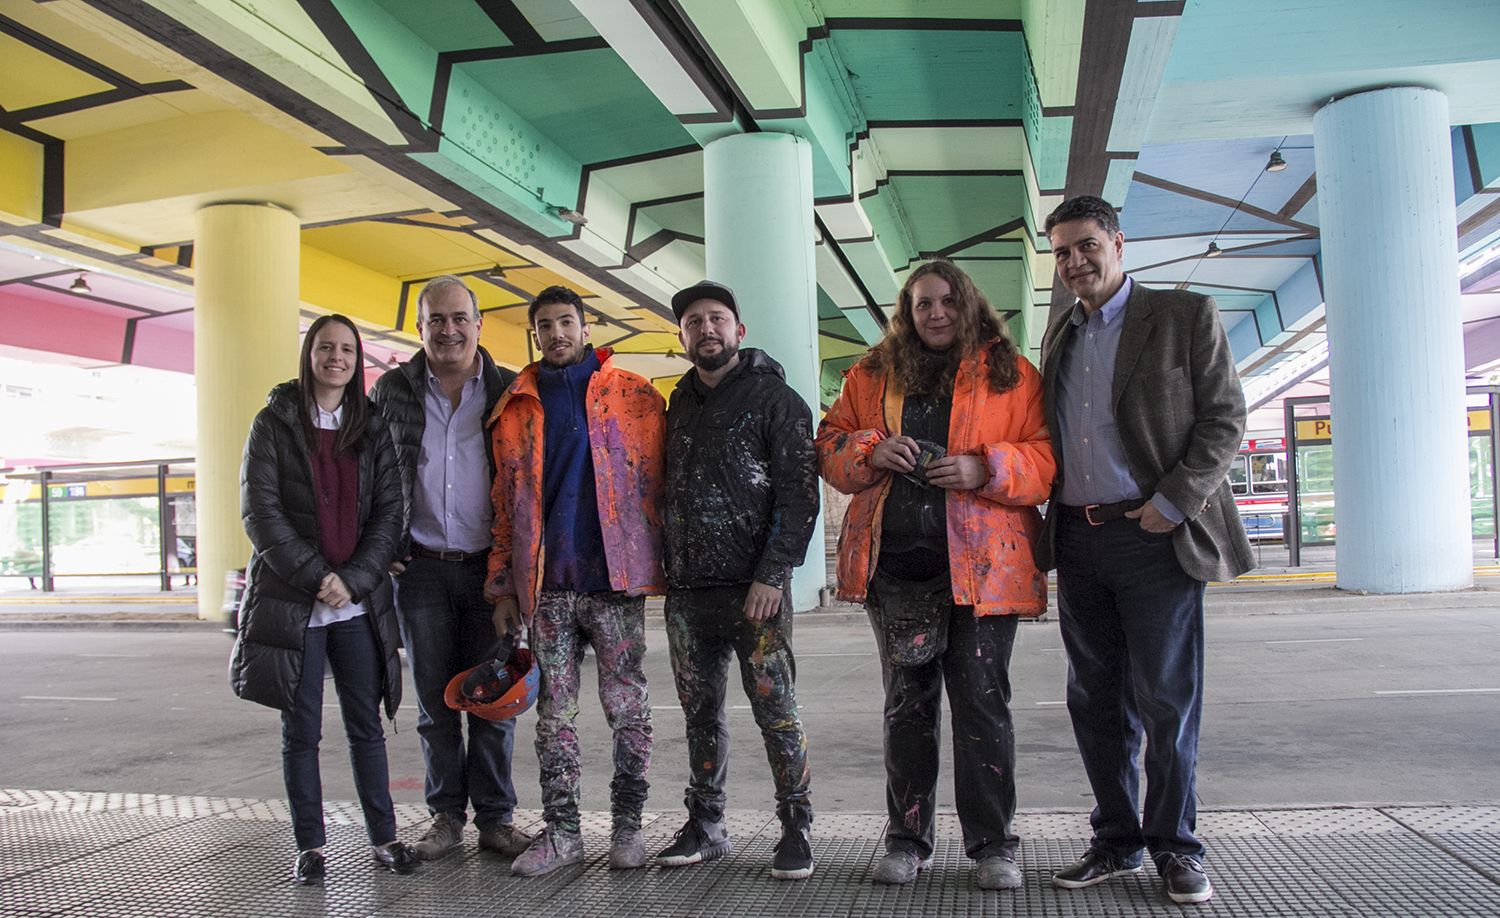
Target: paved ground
x=1348 y=768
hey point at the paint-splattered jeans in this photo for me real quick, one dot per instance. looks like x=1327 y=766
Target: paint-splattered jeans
x=615 y=624
x=975 y=667
x=705 y=628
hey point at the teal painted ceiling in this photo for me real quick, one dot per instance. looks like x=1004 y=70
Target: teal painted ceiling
x=939 y=128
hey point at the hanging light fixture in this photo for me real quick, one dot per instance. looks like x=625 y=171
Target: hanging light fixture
x=1213 y=250
x=1275 y=163
x=80 y=285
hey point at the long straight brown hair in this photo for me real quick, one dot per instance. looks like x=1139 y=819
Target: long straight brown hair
x=352 y=423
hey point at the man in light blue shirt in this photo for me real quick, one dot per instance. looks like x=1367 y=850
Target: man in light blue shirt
x=1146 y=411
x=436 y=405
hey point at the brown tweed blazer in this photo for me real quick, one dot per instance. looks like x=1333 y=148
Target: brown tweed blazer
x=1180 y=413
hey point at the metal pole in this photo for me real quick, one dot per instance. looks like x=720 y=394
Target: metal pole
x=161 y=526
x=1494 y=402
x=1293 y=525
x=46 y=479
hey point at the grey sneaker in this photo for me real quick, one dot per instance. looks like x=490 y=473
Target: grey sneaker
x=552 y=849
x=504 y=839
x=998 y=872
x=441 y=838
x=898 y=868
x=627 y=849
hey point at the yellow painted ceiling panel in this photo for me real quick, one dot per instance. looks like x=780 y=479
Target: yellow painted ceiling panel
x=66 y=24
x=20 y=178
x=128 y=114
x=408 y=251
x=29 y=77
x=186 y=155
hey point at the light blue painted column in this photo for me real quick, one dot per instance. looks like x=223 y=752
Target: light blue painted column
x=758 y=231
x=1390 y=263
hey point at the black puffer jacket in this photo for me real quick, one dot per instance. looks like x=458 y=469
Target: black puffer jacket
x=742 y=478
x=401 y=396
x=277 y=502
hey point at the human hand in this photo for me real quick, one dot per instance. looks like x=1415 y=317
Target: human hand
x=333 y=592
x=958 y=473
x=507 y=616
x=1151 y=518
x=399 y=567
x=895 y=454
x=762 y=602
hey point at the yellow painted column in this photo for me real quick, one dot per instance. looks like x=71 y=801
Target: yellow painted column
x=245 y=258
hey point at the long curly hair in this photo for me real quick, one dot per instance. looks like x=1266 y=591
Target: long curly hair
x=921 y=372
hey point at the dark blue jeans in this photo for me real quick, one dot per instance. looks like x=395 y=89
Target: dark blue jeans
x=447 y=627
x=975 y=666
x=351 y=652
x=1132 y=623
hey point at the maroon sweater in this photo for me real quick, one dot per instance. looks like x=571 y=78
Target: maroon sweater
x=336 y=483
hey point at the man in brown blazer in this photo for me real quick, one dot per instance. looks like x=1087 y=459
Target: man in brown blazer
x=1146 y=413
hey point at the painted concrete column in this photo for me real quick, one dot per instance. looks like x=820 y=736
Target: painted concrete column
x=245 y=258
x=1390 y=282
x=758 y=230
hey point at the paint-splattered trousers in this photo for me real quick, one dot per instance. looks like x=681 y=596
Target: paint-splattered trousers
x=975 y=666
x=615 y=625
x=705 y=628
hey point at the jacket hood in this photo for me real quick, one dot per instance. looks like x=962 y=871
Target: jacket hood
x=285 y=401
x=753 y=362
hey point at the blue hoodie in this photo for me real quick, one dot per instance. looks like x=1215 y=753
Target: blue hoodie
x=571 y=535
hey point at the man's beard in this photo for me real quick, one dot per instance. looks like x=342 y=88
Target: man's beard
x=714 y=362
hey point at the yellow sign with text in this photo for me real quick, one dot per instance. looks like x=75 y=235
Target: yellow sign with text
x=1320 y=430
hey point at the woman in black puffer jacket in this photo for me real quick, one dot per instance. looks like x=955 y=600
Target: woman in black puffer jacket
x=321 y=496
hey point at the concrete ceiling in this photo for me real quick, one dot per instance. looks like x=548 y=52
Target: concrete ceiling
x=447 y=136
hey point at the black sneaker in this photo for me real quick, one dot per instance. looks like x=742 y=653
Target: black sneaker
x=696 y=841
x=395 y=857
x=793 y=859
x=309 y=869
x=1186 y=882
x=1096 y=866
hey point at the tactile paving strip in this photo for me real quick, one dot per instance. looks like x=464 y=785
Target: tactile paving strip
x=81 y=855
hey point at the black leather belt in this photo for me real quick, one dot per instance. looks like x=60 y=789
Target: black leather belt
x=419 y=551
x=1099 y=514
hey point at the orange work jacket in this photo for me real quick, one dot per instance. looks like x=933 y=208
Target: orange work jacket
x=991 y=530
x=627 y=439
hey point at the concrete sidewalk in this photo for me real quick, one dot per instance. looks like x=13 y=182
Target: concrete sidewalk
x=88 y=854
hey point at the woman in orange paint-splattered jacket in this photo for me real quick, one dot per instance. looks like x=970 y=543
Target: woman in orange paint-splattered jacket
x=939 y=436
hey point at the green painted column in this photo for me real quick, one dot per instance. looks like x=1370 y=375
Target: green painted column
x=758 y=230
x=245 y=298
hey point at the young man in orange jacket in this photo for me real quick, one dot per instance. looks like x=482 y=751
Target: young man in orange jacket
x=578 y=444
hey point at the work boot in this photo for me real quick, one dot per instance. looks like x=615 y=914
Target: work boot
x=997 y=872
x=698 y=840
x=441 y=838
x=898 y=868
x=627 y=849
x=504 y=839
x=552 y=849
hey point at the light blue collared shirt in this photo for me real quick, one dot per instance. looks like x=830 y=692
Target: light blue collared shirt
x=1094 y=466
x=451 y=507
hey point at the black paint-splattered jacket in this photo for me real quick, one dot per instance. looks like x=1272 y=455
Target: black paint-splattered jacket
x=742 y=478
